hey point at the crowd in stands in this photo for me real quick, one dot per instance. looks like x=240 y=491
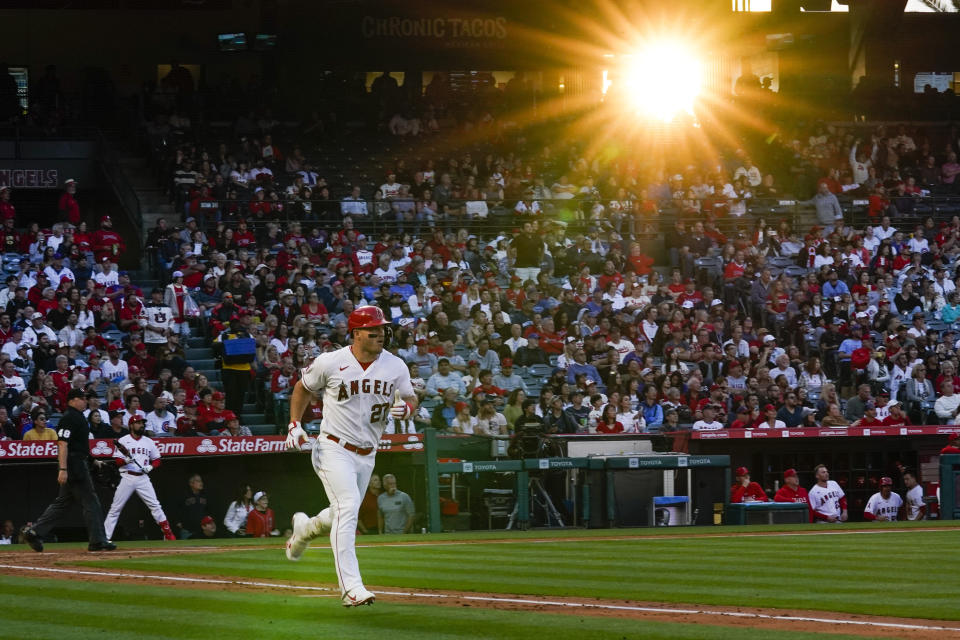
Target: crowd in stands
x=527 y=280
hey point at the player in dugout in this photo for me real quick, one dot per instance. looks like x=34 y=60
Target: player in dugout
x=743 y=490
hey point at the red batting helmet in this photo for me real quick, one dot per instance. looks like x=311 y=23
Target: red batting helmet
x=366 y=318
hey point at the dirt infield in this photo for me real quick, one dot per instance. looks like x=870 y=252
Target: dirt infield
x=64 y=565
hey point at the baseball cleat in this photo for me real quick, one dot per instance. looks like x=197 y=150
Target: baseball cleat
x=101 y=546
x=31 y=538
x=357 y=597
x=298 y=541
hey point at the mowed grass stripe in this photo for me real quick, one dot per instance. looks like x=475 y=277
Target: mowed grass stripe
x=131 y=612
x=831 y=573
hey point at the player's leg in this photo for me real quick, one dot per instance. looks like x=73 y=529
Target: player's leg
x=149 y=496
x=121 y=495
x=339 y=471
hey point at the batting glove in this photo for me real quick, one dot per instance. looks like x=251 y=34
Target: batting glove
x=127 y=459
x=296 y=436
x=148 y=468
x=401 y=410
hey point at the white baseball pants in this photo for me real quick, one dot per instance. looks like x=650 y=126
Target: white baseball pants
x=345 y=476
x=128 y=485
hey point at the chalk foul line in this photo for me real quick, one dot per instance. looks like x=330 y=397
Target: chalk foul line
x=493 y=599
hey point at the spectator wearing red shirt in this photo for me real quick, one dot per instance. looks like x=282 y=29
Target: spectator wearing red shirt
x=7 y=211
x=107 y=242
x=609 y=275
x=143 y=361
x=897 y=417
x=243 y=236
x=68 y=207
x=608 y=421
x=745 y=491
x=260 y=520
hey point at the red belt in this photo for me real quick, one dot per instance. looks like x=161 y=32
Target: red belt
x=351 y=447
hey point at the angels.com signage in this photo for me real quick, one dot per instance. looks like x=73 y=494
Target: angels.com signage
x=469 y=29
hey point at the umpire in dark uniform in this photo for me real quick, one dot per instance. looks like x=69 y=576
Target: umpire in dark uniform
x=76 y=485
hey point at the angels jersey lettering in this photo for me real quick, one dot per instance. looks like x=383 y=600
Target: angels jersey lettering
x=887 y=509
x=142 y=450
x=356 y=402
x=826 y=500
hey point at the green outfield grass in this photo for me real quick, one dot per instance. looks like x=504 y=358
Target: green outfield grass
x=896 y=573
x=891 y=573
x=42 y=609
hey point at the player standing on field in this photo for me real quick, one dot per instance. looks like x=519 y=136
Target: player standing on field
x=827 y=500
x=361 y=385
x=141 y=457
x=884 y=505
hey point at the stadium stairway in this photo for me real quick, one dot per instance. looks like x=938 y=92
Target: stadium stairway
x=154 y=204
x=200 y=356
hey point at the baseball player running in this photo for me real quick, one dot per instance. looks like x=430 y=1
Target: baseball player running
x=140 y=458
x=362 y=385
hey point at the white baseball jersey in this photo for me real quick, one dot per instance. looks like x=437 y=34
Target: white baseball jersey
x=162 y=427
x=114 y=372
x=356 y=402
x=915 y=503
x=161 y=316
x=142 y=450
x=886 y=509
x=127 y=415
x=826 y=500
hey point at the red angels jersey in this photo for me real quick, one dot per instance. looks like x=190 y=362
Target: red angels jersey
x=142 y=450
x=356 y=402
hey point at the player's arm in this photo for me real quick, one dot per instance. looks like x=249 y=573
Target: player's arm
x=843 y=509
x=379 y=522
x=408 y=525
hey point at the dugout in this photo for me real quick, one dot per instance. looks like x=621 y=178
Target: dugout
x=597 y=491
x=856 y=462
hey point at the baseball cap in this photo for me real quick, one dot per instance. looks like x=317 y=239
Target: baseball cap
x=892 y=403
x=136 y=418
x=741 y=471
x=507 y=362
x=207 y=520
x=869 y=406
x=218 y=395
x=36 y=315
x=886 y=481
x=178 y=274
x=789 y=473
x=460 y=406
x=76 y=393
x=229 y=415
x=769 y=407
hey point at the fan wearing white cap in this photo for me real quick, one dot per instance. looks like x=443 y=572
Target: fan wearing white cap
x=177 y=297
x=37 y=328
x=288 y=309
x=260 y=522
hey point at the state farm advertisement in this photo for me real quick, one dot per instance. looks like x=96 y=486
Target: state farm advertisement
x=212 y=446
